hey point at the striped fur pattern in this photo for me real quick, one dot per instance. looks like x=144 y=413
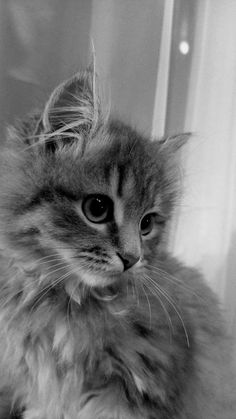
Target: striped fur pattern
x=97 y=321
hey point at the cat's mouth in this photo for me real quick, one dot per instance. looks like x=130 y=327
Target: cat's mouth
x=99 y=279
x=108 y=293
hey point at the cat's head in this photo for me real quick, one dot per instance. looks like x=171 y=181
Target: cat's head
x=85 y=196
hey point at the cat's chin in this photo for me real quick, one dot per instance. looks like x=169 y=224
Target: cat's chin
x=95 y=283
x=99 y=280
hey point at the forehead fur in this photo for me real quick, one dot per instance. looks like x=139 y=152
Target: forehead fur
x=132 y=163
x=135 y=166
x=71 y=146
x=125 y=160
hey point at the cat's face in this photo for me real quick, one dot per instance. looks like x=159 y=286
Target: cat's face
x=91 y=202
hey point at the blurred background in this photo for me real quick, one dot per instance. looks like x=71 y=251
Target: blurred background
x=168 y=66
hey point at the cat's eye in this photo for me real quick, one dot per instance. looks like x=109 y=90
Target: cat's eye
x=147 y=224
x=98 y=208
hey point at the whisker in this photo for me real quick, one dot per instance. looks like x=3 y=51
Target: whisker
x=136 y=292
x=24 y=287
x=69 y=304
x=50 y=260
x=133 y=289
x=22 y=290
x=162 y=271
x=155 y=293
x=34 y=290
x=173 y=279
x=50 y=286
x=64 y=266
x=149 y=306
x=52 y=255
x=127 y=288
x=55 y=265
x=6 y=302
x=172 y=303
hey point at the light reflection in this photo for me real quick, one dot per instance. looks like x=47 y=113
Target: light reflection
x=184 y=47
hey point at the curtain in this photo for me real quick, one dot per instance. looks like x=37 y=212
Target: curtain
x=42 y=42
x=205 y=226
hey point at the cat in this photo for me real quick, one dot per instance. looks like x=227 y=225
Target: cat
x=97 y=320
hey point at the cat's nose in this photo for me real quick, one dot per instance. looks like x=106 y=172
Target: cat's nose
x=128 y=260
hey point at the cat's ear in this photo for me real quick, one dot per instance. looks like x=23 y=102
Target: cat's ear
x=73 y=107
x=172 y=144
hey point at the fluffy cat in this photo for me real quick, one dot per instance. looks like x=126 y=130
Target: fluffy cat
x=97 y=321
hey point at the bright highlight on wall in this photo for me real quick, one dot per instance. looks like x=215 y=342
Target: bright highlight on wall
x=184 y=47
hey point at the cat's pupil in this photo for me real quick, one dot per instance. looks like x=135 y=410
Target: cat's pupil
x=146 y=224
x=98 y=208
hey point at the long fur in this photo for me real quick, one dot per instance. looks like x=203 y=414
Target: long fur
x=80 y=336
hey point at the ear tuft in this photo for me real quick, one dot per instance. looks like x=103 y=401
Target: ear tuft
x=73 y=110
x=175 y=142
